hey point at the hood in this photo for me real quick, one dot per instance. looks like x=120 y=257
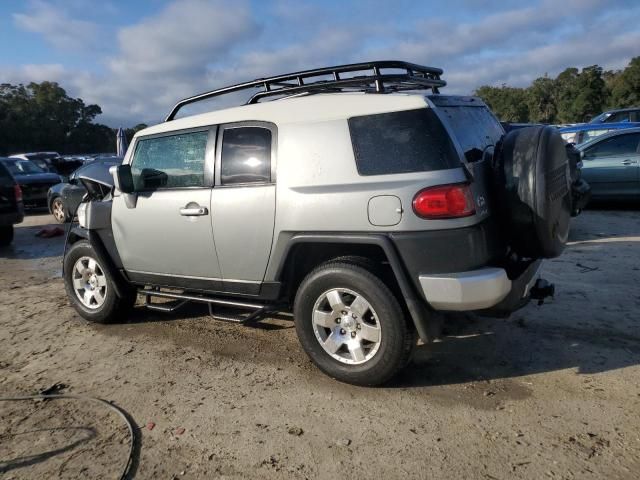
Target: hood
x=30 y=178
x=98 y=172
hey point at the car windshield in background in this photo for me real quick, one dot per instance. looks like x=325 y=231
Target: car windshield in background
x=22 y=167
x=42 y=156
x=474 y=127
x=600 y=118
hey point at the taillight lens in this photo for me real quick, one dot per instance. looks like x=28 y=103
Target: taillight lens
x=444 y=201
x=18 y=192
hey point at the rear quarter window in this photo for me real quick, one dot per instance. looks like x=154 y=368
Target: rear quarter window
x=401 y=142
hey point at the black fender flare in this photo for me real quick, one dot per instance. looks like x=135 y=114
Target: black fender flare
x=417 y=307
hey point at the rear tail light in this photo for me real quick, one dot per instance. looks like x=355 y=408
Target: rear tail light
x=444 y=201
x=18 y=192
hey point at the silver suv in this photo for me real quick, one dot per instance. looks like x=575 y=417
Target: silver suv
x=359 y=198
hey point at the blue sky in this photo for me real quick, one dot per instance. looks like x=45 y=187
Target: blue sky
x=137 y=58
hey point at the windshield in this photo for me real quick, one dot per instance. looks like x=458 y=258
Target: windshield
x=600 y=118
x=22 y=167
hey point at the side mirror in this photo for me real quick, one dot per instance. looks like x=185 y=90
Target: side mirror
x=152 y=178
x=122 y=177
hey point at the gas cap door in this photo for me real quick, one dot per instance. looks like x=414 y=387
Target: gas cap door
x=384 y=210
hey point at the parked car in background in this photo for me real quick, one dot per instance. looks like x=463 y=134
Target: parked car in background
x=618 y=116
x=63 y=198
x=611 y=165
x=51 y=162
x=584 y=132
x=11 y=206
x=34 y=181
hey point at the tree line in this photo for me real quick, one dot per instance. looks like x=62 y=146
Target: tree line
x=571 y=97
x=42 y=117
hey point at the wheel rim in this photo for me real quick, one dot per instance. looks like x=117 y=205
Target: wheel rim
x=89 y=282
x=58 y=210
x=346 y=326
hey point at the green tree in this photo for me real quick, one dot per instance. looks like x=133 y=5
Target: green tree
x=625 y=86
x=41 y=116
x=541 y=98
x=508 y=103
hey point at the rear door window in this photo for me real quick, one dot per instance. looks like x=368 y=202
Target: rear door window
x=246 y=156
x=401 y=142
x=175 y=161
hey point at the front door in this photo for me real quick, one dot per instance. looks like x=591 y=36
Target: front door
x=243 y=203
x=164 y=236
x=612 y=167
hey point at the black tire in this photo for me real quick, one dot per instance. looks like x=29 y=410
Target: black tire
x=113 y=307
x=533 y=177
x=52 y=208
x=397 y=338
x=6 y=235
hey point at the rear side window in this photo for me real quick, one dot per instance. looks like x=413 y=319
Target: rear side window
x=175 y=161
x=475 y=129
x=246 y=155
x=401 y=142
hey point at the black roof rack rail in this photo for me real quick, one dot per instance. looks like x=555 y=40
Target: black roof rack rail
x=415 y=77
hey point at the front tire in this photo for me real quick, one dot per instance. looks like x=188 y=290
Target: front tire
x=351 y=324
x=90 y=288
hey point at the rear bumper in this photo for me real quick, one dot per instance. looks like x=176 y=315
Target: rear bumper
x=481 y=289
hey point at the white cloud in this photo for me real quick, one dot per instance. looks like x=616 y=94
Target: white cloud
x=56 y=27
x=195 y=45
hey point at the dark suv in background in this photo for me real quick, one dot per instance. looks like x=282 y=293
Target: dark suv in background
x=11 y=208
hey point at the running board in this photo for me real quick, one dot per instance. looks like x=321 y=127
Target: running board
x=181 y=299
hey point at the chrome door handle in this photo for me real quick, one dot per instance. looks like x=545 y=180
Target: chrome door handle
x=193 y=211
x=630 y=162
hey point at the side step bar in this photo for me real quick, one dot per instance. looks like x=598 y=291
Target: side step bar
x=182 y=299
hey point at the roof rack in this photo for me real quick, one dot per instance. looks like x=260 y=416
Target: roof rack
x=415 y=77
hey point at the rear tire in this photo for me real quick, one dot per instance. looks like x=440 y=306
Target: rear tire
x=351 y=324
x=6 y=235
x=91 y=289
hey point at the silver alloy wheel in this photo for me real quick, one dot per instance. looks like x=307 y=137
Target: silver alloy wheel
x=89 y=282
x=58 y=210
x=346 y=326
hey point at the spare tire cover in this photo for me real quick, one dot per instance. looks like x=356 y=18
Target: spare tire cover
x=534 y=191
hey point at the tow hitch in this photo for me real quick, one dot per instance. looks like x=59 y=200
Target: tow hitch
x=541 y=290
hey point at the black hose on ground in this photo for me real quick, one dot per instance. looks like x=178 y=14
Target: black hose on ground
x=130 y=459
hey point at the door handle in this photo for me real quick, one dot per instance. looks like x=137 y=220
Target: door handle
x=629 y=162
x=193 y=211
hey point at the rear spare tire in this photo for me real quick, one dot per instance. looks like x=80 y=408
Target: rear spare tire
x=534 y=190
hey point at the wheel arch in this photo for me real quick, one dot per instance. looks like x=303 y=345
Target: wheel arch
x=306 y=251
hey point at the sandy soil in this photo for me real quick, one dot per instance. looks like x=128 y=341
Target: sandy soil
x=554 y=392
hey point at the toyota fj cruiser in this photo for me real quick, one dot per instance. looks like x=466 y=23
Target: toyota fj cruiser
x=362 y=200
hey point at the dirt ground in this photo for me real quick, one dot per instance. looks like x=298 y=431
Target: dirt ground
x=553 y=392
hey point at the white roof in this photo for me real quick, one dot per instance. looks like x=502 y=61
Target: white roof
x=309 y=108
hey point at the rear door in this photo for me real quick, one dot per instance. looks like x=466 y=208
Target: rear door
x=165 y=237
x=243 y=203
x=612 y=166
